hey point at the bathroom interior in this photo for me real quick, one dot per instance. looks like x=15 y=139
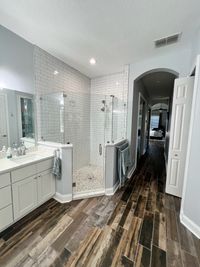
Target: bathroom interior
x=99 y=133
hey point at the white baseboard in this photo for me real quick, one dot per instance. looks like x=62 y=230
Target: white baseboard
x=88 y=194
x=63 y=198
x=190 y=225
x=131 y=172
x=111 y=191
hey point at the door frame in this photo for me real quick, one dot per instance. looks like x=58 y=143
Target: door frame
x=7 y=116
x=148 y=125
x=145 y=103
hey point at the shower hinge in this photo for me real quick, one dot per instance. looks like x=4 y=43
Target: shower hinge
x=100 y=149
x=73 y=184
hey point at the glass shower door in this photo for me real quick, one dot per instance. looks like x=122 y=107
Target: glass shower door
x=52 y=117
x=88 y=142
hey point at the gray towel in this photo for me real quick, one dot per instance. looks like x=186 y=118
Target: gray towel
x=123 y=162
x=57 y=167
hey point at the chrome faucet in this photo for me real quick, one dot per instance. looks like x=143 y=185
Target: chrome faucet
x=20 y=150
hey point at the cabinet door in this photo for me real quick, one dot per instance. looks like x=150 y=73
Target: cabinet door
x=24 y=196
x=46 y=186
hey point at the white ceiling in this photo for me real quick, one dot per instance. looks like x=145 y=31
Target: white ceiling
x=115 y=32
x=159 y=85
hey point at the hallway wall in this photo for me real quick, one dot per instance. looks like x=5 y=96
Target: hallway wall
x=138 y=88
x=195 y=47
x=190 y=211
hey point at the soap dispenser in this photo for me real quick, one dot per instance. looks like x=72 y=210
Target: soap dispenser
x=9 y=153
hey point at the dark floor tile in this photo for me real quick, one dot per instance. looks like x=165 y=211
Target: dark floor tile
x=172 y=231
x=158 y=258
x=142 y=257
x=147 y=230
x=140 y=207
x=173 y=254
x=159 y=234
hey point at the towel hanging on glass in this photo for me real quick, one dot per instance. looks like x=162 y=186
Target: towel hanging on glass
x=57 y=165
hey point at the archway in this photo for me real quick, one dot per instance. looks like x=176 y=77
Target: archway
x=140 y=85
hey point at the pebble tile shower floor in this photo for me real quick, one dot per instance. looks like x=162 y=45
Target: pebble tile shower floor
x=88 y=178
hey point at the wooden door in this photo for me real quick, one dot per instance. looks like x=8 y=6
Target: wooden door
x=181 y=110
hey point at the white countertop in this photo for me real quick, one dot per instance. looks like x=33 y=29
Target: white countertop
x=6 y=165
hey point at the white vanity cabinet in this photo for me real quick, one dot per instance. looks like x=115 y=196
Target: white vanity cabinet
x=24 y=196
x=30 y=192
x=45 y=186
x=6 y=211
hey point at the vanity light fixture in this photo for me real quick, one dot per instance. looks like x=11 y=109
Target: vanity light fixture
x=55 y=72
x=92 y=61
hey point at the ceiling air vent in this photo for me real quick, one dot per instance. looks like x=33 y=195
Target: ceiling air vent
x=167 y=40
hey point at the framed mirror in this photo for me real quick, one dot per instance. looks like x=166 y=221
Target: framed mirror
x=17 y=123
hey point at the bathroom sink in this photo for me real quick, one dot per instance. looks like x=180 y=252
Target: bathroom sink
x=26 y=158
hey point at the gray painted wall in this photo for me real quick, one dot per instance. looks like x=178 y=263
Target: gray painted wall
x=191 y=192
x=16 y=62
x=138 y=88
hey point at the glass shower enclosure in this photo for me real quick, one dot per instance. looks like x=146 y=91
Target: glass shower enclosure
x=87 y=121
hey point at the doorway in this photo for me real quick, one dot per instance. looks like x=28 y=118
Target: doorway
x=153 y=92
x=141 y=127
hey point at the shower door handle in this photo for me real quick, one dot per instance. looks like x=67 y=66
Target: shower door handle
x=100 y=149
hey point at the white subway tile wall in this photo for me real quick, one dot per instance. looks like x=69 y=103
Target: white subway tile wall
x=76 y=86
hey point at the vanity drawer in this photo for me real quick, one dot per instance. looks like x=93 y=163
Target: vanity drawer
x=45 y=165
x=6 y=216
x=5 y=197
x=4 y=179
x=24 y=172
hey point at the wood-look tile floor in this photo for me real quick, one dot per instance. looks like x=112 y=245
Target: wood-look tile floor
x=138 y=226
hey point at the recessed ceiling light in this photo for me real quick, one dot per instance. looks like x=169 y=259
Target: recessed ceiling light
x=92 y=61
x=55 y=72
x=117 y=83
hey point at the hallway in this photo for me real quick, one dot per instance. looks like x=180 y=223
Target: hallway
x=138 y=226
